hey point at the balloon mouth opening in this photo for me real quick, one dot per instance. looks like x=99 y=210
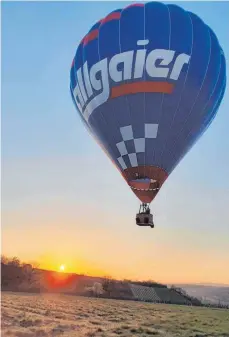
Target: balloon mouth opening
x=145 y=181
x=144 y=184
x=144 y=189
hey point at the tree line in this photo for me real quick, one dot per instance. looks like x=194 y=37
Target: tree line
x=17 y=275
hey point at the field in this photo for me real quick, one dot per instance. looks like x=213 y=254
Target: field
x=29 y=315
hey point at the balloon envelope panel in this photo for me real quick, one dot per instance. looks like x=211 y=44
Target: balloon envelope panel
x=147 y=81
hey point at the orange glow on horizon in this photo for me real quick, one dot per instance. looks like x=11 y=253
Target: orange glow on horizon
x=95 y=253
x=72 y=266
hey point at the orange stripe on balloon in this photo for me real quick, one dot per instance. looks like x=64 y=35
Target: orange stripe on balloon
x=137 y=87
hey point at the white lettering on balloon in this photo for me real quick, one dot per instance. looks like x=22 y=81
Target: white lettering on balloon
x=129 y=65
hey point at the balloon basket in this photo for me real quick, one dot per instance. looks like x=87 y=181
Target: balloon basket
x=144 y=218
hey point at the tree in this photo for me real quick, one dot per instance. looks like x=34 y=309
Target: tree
x=98 y=289
x=4 y=259
x=27 y=270
x=14 y=262
x=108 y=285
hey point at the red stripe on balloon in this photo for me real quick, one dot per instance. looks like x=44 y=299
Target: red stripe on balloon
x=112 y=16
x=94 y=33
x=137 y=87
x=91 y=36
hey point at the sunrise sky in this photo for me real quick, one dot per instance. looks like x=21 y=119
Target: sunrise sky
x=63 y=201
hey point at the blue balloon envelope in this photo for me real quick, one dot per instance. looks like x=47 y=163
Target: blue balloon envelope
x=147 y=80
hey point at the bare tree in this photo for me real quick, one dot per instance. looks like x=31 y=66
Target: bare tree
x=4 y=259
x=14 y=262
x=108 y=285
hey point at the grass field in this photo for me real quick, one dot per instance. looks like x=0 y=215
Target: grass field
x=29 y=315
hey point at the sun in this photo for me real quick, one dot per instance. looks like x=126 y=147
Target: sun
x=62 y=267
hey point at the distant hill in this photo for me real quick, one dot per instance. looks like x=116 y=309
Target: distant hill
x=208 y=293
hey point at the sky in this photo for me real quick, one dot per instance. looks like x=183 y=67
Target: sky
x=63 y=201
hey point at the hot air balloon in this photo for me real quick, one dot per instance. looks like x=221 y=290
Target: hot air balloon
x=147 y=81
